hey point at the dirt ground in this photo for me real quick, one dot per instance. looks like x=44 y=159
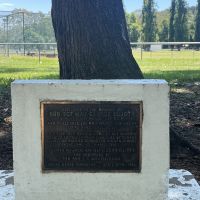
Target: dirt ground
x=6 y=160
x=184 y=120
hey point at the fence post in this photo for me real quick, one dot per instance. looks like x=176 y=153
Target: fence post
x=23 y=25
x=8 y=50
x=193 y=55
x=141 y=56
x=54 y=51
x=5 y=49
x=39 y=54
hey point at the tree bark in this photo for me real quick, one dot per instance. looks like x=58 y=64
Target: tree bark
x=92 y=40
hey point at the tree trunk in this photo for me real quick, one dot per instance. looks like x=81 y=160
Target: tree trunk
x=92 y=40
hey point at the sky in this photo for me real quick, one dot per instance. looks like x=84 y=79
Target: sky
x=45 y=5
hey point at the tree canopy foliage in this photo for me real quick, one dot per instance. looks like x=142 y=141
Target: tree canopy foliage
x=167 y=24
x=197 y=30
x=149 y=21
x=181 y=22
x=134 y=27
x=37 y=27
x=171 y=22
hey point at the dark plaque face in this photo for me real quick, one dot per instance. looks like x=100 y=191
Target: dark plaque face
x=91 y=136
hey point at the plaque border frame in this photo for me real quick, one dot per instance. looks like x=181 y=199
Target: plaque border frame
x=139 y=134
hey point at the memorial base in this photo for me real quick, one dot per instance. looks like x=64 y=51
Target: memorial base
x=122 y=148
x=182 y=186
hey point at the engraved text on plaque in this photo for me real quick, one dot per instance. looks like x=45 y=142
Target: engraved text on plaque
x=91 y=136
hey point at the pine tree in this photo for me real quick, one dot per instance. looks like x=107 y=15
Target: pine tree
x=171 y=23
x=197 y=28
x=149 y=21
x=133 y=26
x=181 y=22
x=164 y=33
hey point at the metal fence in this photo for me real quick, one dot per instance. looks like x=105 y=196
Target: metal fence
x=29 y=49
x=169 y=49
x=141 y=50
x=174 y=62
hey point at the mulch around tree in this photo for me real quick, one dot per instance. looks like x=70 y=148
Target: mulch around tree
x=6 y=158
x=184 y=119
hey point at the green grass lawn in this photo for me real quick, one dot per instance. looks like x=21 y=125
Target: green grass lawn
x=174 y=66
x=24 y=67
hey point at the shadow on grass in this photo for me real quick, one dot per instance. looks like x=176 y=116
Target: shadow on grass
x=170 y=76
x=175 y=76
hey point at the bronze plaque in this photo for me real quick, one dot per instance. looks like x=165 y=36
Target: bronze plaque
x=91 y=136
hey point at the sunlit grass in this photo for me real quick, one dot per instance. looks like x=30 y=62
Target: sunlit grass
x=174 y=66
x=21 y=67
x=183 y=66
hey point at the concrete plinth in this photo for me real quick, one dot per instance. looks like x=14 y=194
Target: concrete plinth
x=31 y=183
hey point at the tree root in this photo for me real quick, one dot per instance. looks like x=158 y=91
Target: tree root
x=183 y=141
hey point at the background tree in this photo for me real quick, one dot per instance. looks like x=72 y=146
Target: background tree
x=181 y=22
x=171 y=24
x=191 y=15
x=38 y=27
x=134 y=28
x=197 y=28
x=164 y=33
x=149 y=21
x=191 y=32
x=92 y=40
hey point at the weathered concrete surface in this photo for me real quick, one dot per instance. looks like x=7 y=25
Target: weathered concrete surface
x=6 y=185
x=182 y=186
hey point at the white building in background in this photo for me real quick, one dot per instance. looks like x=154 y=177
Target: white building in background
x=156 y=47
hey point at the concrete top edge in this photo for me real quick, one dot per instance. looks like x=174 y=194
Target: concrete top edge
x=95 y=82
